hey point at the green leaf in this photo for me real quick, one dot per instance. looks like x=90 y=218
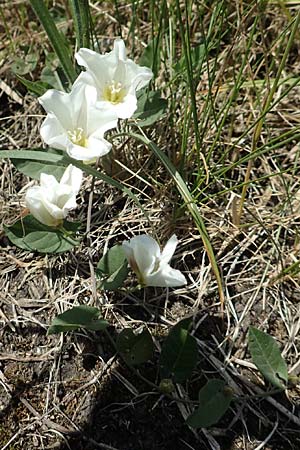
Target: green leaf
x=49 y=76
x=35 y=87
x=33 y=169
x=197 y=56
x=32 y=235
x=56 y=39
x=113 y=268
x=266 y=355
x=151 y=108
x=71 y=227
x=214 y=400
x=112 y=260
x=179 y=353
x=35 y=155
x=78 y=317
x=150 y=53
x=22 y=66
x=135 y=348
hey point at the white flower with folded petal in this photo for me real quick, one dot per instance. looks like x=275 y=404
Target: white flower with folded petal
x=75 y=125
x=116 y=77
x=51 y=202
x=150 y=264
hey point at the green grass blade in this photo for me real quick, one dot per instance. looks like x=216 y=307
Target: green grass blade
x=33 y=155
x=81 y=19
x=191 y=205
x=187 y=55
x=55 y=38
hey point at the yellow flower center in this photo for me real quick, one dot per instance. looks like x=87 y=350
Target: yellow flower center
x=78 y=137
x=114 y=92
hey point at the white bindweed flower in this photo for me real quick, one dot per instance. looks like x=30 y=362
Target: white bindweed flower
x=75 y=125
x=150 y=264
x=116 y=77
x=50 y=202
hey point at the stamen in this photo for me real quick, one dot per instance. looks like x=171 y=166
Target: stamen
x=114 y=92
x=78 y=137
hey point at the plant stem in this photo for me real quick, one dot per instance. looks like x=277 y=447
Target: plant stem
x=88 y=229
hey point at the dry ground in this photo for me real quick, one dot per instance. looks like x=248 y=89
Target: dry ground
x=73 y=392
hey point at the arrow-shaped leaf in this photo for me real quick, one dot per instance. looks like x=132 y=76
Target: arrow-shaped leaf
x=179 y=353
x=135 y=348
x=78 y=317
x=266 y=356
x=214 y=400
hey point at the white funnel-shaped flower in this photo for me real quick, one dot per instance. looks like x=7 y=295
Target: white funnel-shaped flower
x=51 y=202
x=150 y=264
x=75 y=125
x=116 y=78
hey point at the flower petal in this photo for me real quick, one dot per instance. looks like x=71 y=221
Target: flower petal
x=120 y=73
x=73 y=178
x=119 y=49
x=139 y=76
x=101 y=66
x=110 y=70
x=144 y=250
x=128 y=250
x=56 y=210
x=166 y=277
x=87 y=79
x=100 y=120
x=53 y=133
x=96 y=148
x=169 y=249
x=83 y=97
x=48 y=182
x=51 y=201
x=127 y=107
x=58 y=103
x=35 y=203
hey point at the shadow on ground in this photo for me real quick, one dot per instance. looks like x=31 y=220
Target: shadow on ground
x=118 y=411
x=124 y=420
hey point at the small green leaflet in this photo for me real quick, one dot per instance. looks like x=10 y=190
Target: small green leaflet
x=31 y=235
x=179 y=353
x=214 y=400
x=266 y=355
x=134 y=348
x=151 y=57
x=26 y=64
x=112 y=268
x=197 y=58
x=78 y=317
x=151 y=108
